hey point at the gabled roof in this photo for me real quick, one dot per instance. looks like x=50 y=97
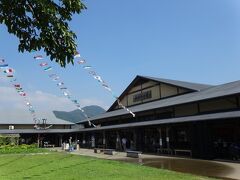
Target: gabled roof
x=53 y=121
x=37 y=131
x=184 y=84
x=16 y=116
x=188 y=85
x=209 y=93
x=204 y=117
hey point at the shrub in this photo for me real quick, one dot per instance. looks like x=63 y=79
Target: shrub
x=24 y=148
x=9 y=139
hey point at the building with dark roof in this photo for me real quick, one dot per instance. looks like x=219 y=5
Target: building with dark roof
x=172 y=117
x=52 y=131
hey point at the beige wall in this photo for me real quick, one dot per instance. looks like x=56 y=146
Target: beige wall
x=182 y=90
x=167 y=90
x=148 y=84
x=136 y=88
x=155 y=93
x=130 y=99
x=220 y=104
x=186 y=110
x=124 y=101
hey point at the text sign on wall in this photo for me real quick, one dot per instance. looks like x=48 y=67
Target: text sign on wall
x=142 y=96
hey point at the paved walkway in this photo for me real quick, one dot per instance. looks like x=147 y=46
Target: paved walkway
x=199 y=167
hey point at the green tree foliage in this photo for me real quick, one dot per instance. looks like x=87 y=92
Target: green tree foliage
x=43 y=24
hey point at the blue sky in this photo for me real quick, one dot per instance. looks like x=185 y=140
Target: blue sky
x=189 y=40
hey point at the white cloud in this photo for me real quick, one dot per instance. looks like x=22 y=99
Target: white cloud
x=12 y=105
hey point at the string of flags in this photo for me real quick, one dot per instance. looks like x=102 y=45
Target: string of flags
x=103 y=83
x=61 y=85
x=10 y=73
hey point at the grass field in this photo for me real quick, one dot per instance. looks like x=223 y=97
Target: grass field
x=66 y=166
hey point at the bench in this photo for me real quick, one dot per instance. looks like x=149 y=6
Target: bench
x=183 y=151
x=134 y=154
x=164 y=151
x=98 y=150
x=109 y=151
x=49 y=145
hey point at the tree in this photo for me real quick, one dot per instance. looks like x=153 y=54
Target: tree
x=43 y=24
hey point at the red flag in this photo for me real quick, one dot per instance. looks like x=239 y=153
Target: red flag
x=17 y=85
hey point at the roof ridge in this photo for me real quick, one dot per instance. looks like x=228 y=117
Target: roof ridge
x=185 y=84
x=227 y=89
x=176 y=80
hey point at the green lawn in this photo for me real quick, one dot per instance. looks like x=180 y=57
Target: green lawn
x=66 y=166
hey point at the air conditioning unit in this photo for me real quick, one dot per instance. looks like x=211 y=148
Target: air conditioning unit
x=11 y=127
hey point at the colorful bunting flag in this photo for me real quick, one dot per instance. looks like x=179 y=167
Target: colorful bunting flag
x=9 y=73
x=104 y=85
x=8 y=70
x=43 y=64
x=52 y=75
x=92 y=73
x=77 y=55
x=63 y=88
x=22 y=94
x=74 y=101
x=55 y=77
x=48 y=68
x=87 y=67
x=13 y=80
x=38 y=57
x=17 y=85
x=60 y=84
x=3 y=65
x=81 y=61
x=65 y=94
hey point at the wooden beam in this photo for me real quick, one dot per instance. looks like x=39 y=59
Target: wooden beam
x=160 y=91
x=198 y=108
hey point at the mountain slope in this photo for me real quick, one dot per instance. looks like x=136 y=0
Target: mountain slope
x=77 y=115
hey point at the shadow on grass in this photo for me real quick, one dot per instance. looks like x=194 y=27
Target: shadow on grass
x=39 y=165
x=52 y=170
x=64 y=168
x=12 y=161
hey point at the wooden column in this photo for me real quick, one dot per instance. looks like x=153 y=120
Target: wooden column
x=118 y=141
x=160 y=137
x=93 y=141
x=84 y=140
x=134 y=139
x=38 y=140
x=60 y=140
x=168 y=137
x=104 y=139
x=76 y=137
